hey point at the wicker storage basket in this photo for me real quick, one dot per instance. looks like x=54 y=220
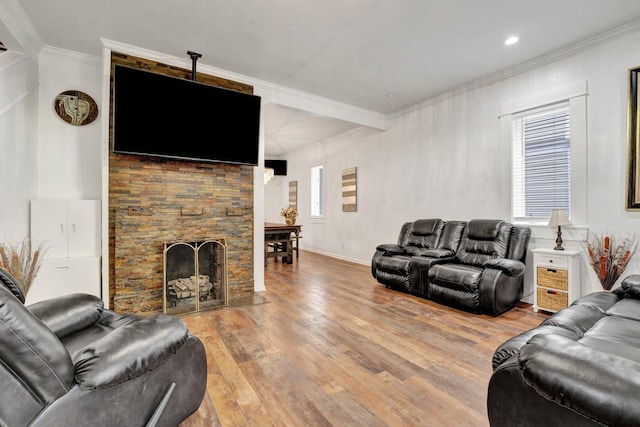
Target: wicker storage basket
x=553 y=278
x=551 y=300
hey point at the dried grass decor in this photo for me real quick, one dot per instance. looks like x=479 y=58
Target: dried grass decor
x=22 y=259
x=609 y=255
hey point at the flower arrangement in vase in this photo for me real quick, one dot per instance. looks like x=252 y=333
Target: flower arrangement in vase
x=289 y=215
x=608 y=256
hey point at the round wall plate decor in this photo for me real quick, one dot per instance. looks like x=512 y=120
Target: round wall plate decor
x=75 y=107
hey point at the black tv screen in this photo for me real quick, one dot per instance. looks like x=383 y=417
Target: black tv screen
x=158 y=115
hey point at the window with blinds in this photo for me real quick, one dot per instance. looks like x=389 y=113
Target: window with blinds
x=541 y=163
x=317 y=184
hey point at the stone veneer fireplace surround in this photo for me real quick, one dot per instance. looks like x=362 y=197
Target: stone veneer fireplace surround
x=155 y=201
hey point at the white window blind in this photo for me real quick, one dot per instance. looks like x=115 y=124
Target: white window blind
x=541 y=174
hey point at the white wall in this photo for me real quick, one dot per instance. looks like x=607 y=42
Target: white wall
x=276 y=197
x=69 y=156
x=443 y=159
x=18 y=143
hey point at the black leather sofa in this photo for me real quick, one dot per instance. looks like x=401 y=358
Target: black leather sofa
x=580 y=367
x=477 y=266
x=69 y=362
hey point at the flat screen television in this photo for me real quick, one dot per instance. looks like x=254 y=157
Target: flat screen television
x=163 y=116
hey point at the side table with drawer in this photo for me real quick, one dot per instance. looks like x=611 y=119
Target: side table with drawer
x=556 y=278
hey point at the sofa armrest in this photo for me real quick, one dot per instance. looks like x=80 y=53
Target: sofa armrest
x=513 y=345
x=601 y=386
x=129 y=352
x=68 y=314
x=391 y=249
x=510 y=267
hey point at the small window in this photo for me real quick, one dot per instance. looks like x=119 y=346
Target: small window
x=317 y=185
x=541 y=162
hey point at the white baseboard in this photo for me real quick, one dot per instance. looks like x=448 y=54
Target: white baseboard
x=342 y=257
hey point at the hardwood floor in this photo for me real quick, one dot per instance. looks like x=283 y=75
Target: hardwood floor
x=333 y=347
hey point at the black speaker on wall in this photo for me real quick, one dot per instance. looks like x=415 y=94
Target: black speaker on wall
x=279 y=166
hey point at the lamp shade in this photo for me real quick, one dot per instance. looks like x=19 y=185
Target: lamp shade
x=558 y=217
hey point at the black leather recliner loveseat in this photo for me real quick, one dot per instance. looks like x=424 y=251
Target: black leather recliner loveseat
x=580 y=367
x=477 y=266
x=69 y=362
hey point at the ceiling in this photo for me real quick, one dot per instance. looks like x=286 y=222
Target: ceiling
x=378 y=55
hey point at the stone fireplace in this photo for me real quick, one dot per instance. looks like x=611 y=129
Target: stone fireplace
x=153 y=201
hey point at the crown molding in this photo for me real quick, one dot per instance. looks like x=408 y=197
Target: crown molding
x=15 y=19
x=72 y=55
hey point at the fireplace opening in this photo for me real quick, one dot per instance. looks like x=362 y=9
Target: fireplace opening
x=195 y=276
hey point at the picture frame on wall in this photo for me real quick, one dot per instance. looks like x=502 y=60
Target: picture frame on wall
x=633 y=143
x=350 y=190
x=293 y=194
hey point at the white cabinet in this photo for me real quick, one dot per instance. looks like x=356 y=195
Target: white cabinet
x=556 y=278
x=69 y=231
x=66 y=228
x=62 y=276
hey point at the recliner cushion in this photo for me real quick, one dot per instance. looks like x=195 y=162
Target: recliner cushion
x=628 y=308
x=67 y=314
x=484 y=239
x=460 y=277
x=615 y=335
x=398 y=264
x=424 y=235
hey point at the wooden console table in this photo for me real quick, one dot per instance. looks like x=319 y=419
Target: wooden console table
x=280 y=238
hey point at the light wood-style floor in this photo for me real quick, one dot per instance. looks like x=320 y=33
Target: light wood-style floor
x=333 y=347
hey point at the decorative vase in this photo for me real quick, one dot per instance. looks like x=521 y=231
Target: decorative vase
x=290 y=220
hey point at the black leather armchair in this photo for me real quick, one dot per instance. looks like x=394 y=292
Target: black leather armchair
x=69 y=362
x=486 y=275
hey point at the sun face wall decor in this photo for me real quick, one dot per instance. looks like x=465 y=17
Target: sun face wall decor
x=75 y=107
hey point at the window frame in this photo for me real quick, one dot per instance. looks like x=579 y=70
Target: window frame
x=576 y=95
x=320 y=191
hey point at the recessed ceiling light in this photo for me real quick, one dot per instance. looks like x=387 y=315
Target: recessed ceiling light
x=392 y=95
x=511 y=40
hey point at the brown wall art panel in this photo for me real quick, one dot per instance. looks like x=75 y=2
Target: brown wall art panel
x=349 y=190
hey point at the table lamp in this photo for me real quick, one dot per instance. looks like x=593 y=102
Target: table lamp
x=558 y=219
